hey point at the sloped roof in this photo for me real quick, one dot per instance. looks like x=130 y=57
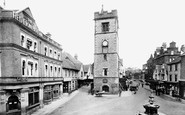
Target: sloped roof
x=28 y=12
x=68 y=64
x=74 y=62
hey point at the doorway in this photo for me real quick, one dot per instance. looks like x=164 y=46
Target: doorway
x=105 y=88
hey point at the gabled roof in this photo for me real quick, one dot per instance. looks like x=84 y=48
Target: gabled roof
x=76 y=64
x=28 y=12
x=68 y=64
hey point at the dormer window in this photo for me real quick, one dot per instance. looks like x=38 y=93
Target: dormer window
x=105 y=26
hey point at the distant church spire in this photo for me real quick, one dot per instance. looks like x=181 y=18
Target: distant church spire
x=102 y=9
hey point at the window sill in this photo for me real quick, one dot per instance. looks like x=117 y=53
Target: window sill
x=33 y=106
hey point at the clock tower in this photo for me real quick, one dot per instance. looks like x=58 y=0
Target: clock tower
x=106 y=67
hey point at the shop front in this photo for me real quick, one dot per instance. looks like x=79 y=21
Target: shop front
x=182 y=89
x=171 y=88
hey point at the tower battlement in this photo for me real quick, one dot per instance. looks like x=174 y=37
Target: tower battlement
x=105 y=14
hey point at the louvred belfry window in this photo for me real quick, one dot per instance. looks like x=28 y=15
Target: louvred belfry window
x=105 y=26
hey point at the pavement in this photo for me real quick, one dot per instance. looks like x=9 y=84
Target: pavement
x=48 y=109
x=165 y=96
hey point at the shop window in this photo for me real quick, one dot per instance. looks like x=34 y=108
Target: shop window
x=105 y=26
x=33 y=96
x=47 y=93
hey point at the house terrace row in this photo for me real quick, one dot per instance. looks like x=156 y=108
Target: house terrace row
x=30 y=66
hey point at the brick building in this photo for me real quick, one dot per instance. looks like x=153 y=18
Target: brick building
x=106 y=58
x=30 y=64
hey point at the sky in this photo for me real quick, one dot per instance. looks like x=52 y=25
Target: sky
x=143 y=25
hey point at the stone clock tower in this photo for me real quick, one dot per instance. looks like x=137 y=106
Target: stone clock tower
x=106 y=68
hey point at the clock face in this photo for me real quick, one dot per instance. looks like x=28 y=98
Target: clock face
x=105 y=43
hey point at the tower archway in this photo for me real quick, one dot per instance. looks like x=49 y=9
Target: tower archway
x=105 y=88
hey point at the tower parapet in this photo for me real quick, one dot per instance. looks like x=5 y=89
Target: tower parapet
x=105 y=15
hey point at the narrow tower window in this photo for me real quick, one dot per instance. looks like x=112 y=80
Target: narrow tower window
x=105 y=71
x=105 y=57
x=105 y=26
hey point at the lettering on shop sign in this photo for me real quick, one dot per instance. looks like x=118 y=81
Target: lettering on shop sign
x=22 y=78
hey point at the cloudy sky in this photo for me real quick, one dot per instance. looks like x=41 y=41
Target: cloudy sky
x=144 y=25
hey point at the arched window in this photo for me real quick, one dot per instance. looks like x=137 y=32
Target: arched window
x=36 y=70
x=45 y=51
x=46 y=70
x=22 y=40
x=23 y=67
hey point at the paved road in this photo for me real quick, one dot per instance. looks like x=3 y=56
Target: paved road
x=127 y=104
